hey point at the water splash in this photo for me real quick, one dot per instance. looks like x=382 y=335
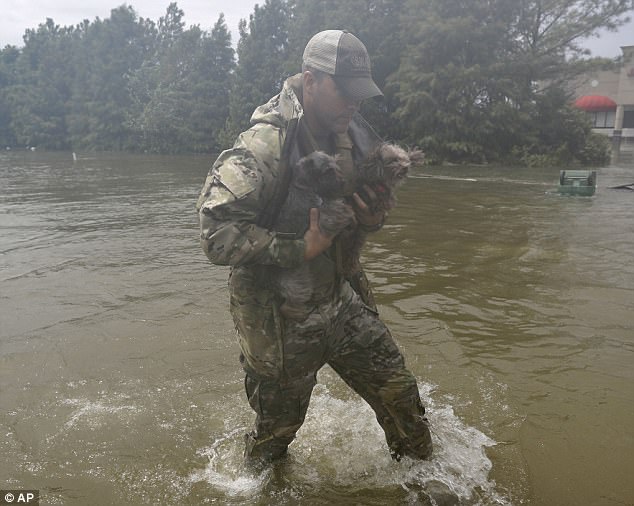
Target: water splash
x=341 y=450
x=94 y=414
x=226 y=471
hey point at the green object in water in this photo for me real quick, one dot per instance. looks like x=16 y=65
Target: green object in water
x=578 y=182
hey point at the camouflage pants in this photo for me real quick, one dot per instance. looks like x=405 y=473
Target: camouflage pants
x=352 y=339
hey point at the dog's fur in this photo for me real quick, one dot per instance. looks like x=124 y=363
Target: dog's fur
x=317 y=182
x=382 y=171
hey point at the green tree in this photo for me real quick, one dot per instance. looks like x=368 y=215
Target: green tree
x=211 y=84
x=40 y=94
x=560 y=134
x=451 y=81
x=8 y=58
x=262 y=56
x=170 y=26
x=546 y=37
x=181 y=93
x=159 y=89
x=165 y=117
x=468 y=82
x=109 y=51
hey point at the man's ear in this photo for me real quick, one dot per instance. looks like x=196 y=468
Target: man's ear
x=308 y=82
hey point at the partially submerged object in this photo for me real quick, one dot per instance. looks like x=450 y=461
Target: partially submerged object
x=578 y=182
x=623 y=187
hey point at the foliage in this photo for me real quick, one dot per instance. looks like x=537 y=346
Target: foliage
x=560 y=135
x=103 y=55
x=262 y=53
x=38 y=90
x=8 y=59
x=473 y=74
x=477 y=81
x=180 y=94
x=122 y=83
x=451 y=70
x=596 y=150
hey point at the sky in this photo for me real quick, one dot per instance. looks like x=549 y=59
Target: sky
x=18 y=15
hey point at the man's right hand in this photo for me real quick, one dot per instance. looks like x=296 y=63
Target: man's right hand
x=316 y=241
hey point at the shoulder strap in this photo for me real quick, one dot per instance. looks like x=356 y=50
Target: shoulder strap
x=284 y=174
x=364 y=137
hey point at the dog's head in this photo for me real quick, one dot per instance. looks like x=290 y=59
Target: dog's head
x=389 y=164
x=320 y=173
x=386 y=167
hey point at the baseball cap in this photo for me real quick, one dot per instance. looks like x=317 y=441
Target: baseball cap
x=345 y=58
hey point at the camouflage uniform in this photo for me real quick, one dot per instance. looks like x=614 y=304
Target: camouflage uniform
x=341 y=328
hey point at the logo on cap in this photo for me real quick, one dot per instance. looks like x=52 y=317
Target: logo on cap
x=359 y=60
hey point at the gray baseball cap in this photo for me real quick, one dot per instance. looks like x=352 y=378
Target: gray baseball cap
x=345 y=58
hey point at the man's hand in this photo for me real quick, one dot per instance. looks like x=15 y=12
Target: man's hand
x=368 y=213
x=316 y=241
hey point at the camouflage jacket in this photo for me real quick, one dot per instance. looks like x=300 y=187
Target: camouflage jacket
x=243 y=185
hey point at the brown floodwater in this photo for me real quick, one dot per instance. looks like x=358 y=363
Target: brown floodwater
x=119 y=378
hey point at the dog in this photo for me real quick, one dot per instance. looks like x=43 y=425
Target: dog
x=382 y=172
x=317 y=182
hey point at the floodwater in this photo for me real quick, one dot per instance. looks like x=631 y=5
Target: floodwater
x=119 y=378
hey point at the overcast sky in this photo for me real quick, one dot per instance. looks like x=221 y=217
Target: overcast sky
x=18 y=15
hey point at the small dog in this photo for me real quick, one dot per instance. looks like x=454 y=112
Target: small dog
x=317 y=182
x=382 y=171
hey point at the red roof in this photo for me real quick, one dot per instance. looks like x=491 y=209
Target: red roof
x=595 y=103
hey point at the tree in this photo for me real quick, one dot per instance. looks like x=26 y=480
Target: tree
x=546 y=36
x=262 y=55
x=160 y=89
x=170 y=26
x=467 y=84
x=452 y=84
x=8 y=58
x=41 y=89
x=181 y=93
x=211 y=85
x=560 y=135
x=467 y=81
x=109 y=51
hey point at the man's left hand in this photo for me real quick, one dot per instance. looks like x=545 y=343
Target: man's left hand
x=368 y=214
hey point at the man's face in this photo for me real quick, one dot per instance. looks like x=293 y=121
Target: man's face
x=331 y=109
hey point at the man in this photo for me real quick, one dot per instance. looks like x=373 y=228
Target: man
x=316 y=110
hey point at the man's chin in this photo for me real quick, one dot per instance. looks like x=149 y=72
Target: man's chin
x=341 y=127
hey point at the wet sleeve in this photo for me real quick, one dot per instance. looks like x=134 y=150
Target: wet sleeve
x=236 y=191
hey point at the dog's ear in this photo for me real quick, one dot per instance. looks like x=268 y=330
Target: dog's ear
x=327 y=167
x=305 y=170
x=313 y=165
x=416 y=156
x=324 y=162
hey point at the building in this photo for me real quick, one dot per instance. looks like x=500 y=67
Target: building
x=608 y=97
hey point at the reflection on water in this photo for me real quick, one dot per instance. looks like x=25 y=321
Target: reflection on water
x=118 y=366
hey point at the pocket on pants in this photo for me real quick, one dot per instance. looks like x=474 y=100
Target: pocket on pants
x=256 y=316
